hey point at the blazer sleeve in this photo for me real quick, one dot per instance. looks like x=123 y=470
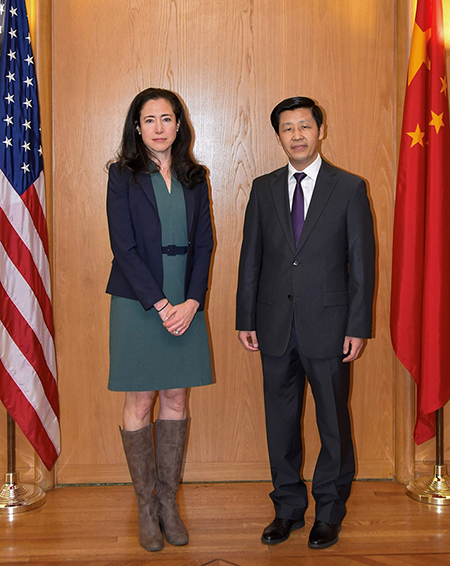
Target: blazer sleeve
x=123 y=241
x=361 y=263
x=249 y=266
x=202 y=248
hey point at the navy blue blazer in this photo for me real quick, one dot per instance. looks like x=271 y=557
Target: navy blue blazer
x=135 y=235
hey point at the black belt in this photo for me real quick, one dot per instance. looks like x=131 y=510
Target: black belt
x=174 y=250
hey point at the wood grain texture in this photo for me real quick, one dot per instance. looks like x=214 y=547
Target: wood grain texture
x=98 y=526
x=404 y=396
x=231 y=62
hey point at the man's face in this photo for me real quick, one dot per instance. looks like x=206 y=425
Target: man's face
x=299 y=137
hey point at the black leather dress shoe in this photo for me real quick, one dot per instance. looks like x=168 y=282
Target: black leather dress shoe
x=280 y=529
x=323 y=535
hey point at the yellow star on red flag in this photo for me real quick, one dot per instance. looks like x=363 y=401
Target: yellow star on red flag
x=416 y=136
x=418 y=56
x=437 y=121
x=444 y=85
x=420 y=301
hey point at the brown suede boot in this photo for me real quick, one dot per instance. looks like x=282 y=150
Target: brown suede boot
x=138 y=446
x=170 y=441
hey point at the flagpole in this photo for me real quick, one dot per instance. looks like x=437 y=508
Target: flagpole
x=440 y=438
x=11 y=439
x=16 y=497
x=434 y=489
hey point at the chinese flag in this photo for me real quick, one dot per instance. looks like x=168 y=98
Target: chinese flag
x=420 y=301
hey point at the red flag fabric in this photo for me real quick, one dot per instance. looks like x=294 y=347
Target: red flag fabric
x=27 y=355
x=420 y=300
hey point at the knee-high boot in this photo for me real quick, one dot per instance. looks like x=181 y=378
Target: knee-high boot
x=138 y=446
x=170 y=441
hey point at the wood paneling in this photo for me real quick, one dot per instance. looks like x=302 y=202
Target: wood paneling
x=404 y=399
x=231 y=62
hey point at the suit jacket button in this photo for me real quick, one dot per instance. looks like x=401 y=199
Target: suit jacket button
x=295 y=263
x=290 y=297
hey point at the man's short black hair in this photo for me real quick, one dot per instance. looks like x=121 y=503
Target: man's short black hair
x=292 y=104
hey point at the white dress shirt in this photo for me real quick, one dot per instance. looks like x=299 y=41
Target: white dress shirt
x=308 y=183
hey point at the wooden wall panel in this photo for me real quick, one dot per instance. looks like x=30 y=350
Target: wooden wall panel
x=231 y=61
x=404 y=400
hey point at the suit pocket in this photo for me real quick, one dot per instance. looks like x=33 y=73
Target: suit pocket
x=264 y=296
x=336 y=298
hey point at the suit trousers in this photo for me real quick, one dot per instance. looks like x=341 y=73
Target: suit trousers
x=284 y=386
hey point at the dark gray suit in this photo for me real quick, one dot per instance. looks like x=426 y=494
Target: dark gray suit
x=302 y=301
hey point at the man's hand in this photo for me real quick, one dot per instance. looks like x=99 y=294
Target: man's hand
x=352 y=348
x=248 y=340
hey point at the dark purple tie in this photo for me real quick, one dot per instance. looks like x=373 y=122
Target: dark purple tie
x=298 y=208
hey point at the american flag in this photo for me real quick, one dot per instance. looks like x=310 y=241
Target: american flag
x=27 y=354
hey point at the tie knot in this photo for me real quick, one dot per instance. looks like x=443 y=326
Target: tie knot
x=300 y=176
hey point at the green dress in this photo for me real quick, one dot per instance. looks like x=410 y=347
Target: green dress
x=143 y=355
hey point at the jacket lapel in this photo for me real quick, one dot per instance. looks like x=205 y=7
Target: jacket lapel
x=189 y=198
x=325 y=184
x=280 y=196
x=145 y=182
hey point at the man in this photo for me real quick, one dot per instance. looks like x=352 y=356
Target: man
x=305 y=292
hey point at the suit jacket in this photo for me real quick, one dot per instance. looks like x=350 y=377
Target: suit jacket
x=326 y=283
x=135 y=234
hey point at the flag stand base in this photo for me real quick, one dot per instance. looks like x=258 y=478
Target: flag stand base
x=16 y=497
x=434 y=489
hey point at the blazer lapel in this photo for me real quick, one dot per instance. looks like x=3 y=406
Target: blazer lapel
x=189 y=198
x=145 y=181
x=280 y=196
x=324 y=187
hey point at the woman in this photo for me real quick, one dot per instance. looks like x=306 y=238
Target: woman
x=161 y=237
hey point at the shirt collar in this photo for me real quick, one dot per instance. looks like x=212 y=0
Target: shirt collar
x=311 y=171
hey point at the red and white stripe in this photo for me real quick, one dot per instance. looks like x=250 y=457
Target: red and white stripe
x=28 y=367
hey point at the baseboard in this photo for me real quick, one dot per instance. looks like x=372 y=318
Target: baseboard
x=208 y=472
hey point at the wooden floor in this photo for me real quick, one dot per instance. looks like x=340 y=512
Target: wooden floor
x=97 y=526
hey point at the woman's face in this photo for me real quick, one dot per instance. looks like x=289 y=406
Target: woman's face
x=158 y=127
